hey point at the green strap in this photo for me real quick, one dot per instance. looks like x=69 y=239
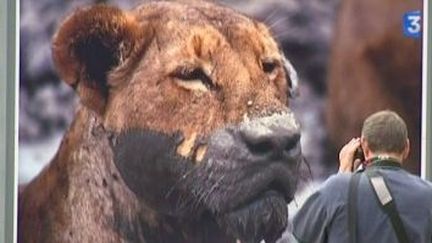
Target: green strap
x=387 y=203
x=352 y=207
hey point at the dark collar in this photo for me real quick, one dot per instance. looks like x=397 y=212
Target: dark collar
x=385 y=162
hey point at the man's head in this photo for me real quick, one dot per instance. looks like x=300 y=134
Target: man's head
x=385 y=132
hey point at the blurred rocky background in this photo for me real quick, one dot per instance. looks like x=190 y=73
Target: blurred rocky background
x=302 y=27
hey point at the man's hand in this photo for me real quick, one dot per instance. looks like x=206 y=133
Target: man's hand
x=346 y=156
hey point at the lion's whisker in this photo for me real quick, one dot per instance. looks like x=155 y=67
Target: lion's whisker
x=183 y=177
x=309 y=169
x=270 y=15
x=278 y=21
x=212 y=189
x=183 y=201
x=202 y=195
x=196 y=203
x=280 y=34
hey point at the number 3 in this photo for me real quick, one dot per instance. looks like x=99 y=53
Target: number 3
x=414 y=24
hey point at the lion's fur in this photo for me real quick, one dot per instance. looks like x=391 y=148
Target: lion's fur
x=81 y=185
x=123 y=67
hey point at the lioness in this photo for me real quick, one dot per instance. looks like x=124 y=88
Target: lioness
x=183 y=133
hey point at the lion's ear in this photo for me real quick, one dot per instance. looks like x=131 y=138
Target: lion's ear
x=90 y=43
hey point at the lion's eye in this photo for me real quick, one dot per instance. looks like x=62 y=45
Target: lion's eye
x=193 y=78
x=269 y=66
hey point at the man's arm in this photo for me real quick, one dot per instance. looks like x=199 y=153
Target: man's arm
x=310 y=222
x=346 y=156
x=314 y=222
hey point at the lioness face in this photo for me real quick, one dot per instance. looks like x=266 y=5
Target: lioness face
x=195 y=96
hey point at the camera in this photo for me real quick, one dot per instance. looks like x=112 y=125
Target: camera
x=358 y=154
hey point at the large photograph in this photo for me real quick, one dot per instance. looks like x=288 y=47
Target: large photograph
x=200 y=121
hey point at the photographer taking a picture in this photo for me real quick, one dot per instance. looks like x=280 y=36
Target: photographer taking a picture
x=378 y=202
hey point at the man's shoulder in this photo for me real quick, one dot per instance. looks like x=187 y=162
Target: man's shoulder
x=337 y=181
x=407 y=182
x=421 y=183
x=339 y=178
x=410 y=178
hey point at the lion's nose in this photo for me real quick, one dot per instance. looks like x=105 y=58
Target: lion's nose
x=275 y=135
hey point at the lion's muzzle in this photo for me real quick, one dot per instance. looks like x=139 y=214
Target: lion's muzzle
x=249 y=158
x=250 y=174
x=275 y=137
x=245 y=180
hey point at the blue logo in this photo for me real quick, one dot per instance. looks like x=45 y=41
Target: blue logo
x=412 y=21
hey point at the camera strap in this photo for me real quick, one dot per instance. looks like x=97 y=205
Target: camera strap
x=384 y=198
x=387 y=203
x=352 y=206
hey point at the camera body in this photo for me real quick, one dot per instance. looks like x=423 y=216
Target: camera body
x=358 y=154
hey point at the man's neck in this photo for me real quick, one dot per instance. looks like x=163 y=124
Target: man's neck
x=384 y=155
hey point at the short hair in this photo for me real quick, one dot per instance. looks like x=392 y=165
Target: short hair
x=385 y=131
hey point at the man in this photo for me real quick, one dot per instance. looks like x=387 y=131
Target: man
x=326 y=216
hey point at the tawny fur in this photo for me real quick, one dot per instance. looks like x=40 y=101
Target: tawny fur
x=130 y=82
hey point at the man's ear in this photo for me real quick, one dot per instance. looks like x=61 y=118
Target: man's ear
x=406 y=150
x=365 y=147
x=89 y=44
